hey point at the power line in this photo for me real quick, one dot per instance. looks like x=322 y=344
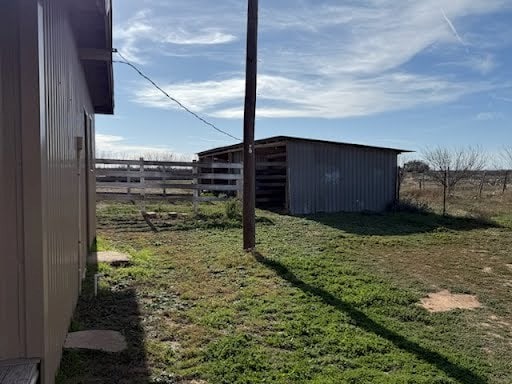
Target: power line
x=127 y=62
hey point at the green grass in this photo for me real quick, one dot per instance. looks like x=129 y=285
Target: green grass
x=326 y=299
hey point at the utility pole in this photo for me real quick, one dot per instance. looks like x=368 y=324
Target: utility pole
x=249 y=188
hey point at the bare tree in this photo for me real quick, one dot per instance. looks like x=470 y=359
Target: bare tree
x=160 y=156
x=450 y=167
x=506 y=155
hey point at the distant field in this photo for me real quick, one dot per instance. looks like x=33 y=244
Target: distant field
x=466 y=198
x=328 y=299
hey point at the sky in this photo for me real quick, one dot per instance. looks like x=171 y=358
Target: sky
x=396 y=73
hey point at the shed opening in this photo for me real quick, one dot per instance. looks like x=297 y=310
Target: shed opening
x=271 y=173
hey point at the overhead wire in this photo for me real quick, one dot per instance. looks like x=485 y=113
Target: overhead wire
x=125 y=61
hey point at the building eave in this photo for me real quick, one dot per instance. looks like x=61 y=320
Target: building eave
x=285 y=139
x=91 y=21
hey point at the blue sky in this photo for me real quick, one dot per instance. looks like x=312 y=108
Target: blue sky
x=407 y=74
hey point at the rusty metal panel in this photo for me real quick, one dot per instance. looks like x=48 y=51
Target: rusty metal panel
x=11 y=277
x=333 y=178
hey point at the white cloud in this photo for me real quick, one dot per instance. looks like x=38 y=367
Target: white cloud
x=487 y=116
x=366 y=39
x=146 y=30
x=205 y=37
x=484 y=64
x=318 y=58
x=197 y=96
x=128 y=33
x=281 y=97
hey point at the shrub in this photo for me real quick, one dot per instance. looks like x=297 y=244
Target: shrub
x=233 y=209
x=417 y=166
x=410 y=206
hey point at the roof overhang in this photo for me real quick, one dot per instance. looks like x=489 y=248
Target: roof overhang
x=282 y=140
x=91 y=21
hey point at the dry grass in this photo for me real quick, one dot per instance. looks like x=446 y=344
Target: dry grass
x=465 y=199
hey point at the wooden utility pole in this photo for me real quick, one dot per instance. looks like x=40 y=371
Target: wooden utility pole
x=249 y=188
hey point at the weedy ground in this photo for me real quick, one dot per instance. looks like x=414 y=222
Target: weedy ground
x=325 y=299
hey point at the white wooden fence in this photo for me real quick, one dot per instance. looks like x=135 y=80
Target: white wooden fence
x=129 y=180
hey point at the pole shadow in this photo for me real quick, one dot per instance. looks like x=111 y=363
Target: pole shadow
x=463 y=375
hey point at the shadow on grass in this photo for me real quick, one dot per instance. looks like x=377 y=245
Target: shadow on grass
x=113 y=309
x=389 y=224
x=135 y=223
x=454 y=371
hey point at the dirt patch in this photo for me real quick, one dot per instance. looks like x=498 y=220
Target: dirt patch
x=446 y=301
x=108 y=257
x=107 y=341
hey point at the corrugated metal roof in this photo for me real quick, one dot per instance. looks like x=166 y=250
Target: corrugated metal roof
x=285 y=139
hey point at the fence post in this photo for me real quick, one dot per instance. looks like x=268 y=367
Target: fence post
x=164 y=179
x=195 y=192
x=240 y=185
x=505 y=182
x=142 y=182
x=129 y=179
x=445 y=187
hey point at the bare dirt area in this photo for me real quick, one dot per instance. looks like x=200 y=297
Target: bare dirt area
x=109 y=257
x=445 y=301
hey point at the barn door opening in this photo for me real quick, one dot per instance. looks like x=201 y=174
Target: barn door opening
x=271 y=177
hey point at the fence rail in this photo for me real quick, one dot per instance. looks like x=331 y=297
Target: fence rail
x=134 y=180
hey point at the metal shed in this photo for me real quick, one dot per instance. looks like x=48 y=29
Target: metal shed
x=306 y=176
x=55 y=74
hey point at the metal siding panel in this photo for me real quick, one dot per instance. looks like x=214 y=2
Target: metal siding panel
x=11 y=282
x=30 y=233
x=347 y=193
x=67 y=97
x=294 y=164
x=370 y=183
x=292 y=184
x=330 y=178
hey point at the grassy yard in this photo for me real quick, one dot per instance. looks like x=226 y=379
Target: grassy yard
x=326 y=299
